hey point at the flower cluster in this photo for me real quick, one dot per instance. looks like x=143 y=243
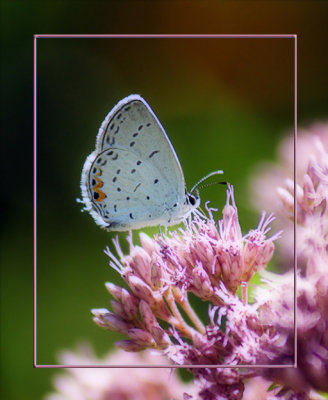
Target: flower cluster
x=277 y=297
x=311 y=208
x=116 y=383
x=209 y=263
x=270 y=179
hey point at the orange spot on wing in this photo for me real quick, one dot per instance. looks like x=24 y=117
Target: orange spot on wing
x=97 y=187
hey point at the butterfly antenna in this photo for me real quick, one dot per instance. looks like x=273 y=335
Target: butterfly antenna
x=205 y=177
x=213 y=183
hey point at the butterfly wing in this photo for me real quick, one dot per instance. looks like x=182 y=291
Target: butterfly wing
x=133 y=178
x=132 y=125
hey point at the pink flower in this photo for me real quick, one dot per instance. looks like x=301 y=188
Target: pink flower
x=276 y=299
x=117 y=383
x=209 y=261
x=311 y=175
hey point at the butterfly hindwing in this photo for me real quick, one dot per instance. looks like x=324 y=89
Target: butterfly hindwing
x=127 y=192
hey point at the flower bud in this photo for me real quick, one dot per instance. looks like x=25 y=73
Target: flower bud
x=141 y=337
x=129 y=345
x=110 y=321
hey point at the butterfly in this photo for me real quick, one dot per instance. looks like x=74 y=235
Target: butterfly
x=133 y=178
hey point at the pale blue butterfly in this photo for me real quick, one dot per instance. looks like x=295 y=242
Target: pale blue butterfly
x=134 y=179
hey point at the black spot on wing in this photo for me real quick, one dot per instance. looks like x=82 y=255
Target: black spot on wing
x=112 y=154
x=137 y=187
x=153 y=153
x=110 y=140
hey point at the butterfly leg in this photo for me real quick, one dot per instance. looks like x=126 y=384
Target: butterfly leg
x=188 y=221
x=161 y=233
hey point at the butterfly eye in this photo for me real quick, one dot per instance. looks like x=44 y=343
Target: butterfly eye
x=192 y=199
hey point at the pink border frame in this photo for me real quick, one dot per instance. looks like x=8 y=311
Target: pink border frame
x=191 y=36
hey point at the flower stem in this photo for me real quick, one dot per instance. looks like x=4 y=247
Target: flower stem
x=244 y=288
x=193 y=316
x=181 y=324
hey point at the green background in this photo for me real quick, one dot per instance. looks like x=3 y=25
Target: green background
x=224 y=103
